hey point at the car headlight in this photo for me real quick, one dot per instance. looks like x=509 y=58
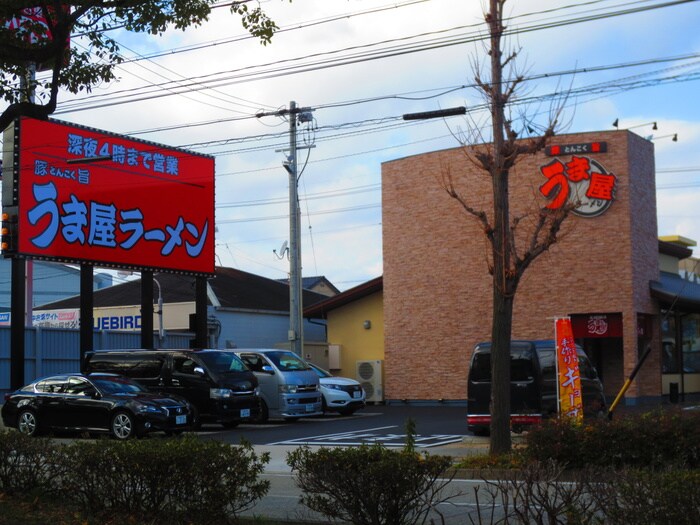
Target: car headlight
x=220 y=393
x=256 y=391
x=288 y=389
x=333 y=387
x=151 y=409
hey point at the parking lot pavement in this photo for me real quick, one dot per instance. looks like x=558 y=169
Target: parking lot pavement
x=467 y=446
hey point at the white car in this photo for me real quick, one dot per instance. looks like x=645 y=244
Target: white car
x=340 y=394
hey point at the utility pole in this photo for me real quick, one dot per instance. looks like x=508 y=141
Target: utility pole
x=296 y=318
x=296 y=325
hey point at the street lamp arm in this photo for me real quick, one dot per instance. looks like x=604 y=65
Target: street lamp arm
x=439 y=113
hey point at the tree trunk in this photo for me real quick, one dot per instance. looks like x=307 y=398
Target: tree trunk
x=502 y=297
x=500 y=371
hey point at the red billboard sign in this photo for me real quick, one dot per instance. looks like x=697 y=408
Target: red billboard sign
x=86 y=195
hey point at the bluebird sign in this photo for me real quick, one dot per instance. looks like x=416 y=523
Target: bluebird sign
x=84 y=195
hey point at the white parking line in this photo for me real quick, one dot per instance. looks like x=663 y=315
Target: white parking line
x=373 y=435
x=330 y=437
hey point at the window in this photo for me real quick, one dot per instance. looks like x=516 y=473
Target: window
x=118 y=385
x=253 y=361
x=52 y=385
x=287 y=361
x=549 y=370
x=669 y=352
x=521 y=368
x=222 y=362
x=78 y=386
x=183 y=365
x=690 y=324
x=130 y=365
x=481 y=368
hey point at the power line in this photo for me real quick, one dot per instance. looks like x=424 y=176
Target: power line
x=240 y=75
x=404 y=96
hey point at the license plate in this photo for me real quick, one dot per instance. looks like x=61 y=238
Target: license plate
x=180 y=420
x=357 y=395
x=245 y=412
x=310 y=407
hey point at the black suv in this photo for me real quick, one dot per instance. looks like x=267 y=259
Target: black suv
x=215 y=382
x=533 y=386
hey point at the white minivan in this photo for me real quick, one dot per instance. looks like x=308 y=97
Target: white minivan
x=289 y=389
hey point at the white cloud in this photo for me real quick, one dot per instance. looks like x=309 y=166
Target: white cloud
x=347 y=246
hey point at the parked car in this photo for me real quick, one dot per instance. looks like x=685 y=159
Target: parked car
x=533 y=385
x=94 y=403
x=339 y=394
x=215 y=382
x=289 y=388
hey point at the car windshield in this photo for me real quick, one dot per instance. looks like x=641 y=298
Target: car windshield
x=117 y=385
x=287 y=361
x=222 y=362
x=320 y=372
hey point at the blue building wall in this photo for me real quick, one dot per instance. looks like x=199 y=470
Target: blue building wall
x=49 y=351
x=51 y=282
x=241 y=329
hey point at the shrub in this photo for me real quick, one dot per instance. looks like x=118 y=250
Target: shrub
x=651 y=440
x=370 y=484
x=27 y=464
x=540 y=495
x=651 y=497
x=177 y=479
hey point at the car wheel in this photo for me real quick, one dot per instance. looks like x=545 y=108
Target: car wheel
x=264 y=414
x=27 y=423
x=123 y=426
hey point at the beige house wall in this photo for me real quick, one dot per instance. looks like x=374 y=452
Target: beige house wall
x=346 y=328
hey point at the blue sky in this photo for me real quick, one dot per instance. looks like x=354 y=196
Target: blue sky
x=340 y=185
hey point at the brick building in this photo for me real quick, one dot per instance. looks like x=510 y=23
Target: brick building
x=438 y=292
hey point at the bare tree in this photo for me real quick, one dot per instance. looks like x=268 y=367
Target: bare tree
x=508 y=261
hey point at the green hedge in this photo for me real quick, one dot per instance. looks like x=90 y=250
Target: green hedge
x=653 y=440
x=652 y=497
x=27 y=464
x=182 y=480
x=370 y=485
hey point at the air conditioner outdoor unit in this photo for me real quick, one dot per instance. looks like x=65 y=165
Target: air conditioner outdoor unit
x=369 y=374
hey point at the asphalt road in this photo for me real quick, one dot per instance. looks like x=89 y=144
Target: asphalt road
x=435 y=426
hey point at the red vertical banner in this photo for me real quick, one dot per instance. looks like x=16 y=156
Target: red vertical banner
x=568 y=375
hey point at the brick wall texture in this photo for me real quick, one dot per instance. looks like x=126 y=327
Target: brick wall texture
x=437 y=289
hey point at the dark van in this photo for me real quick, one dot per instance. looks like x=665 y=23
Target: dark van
x=533 y=387
x=215 y=382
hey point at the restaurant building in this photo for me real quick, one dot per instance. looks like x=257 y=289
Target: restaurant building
x=604 y=272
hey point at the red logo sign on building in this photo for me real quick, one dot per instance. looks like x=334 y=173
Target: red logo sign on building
x=580 y=182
